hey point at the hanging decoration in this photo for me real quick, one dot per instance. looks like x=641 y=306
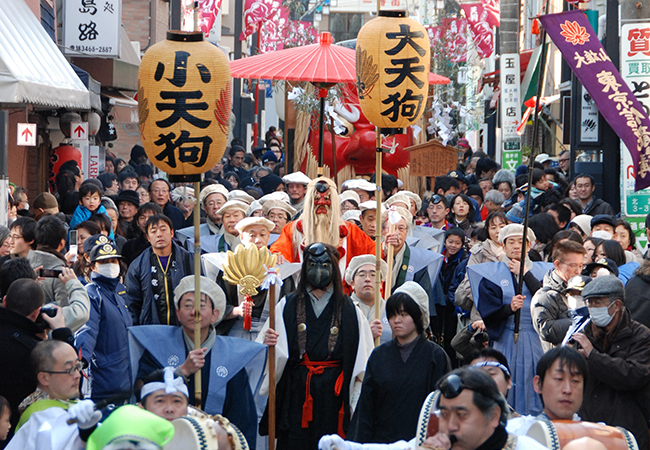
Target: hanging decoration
x=256 y=12
x=208 y=12
x=480 y=28
x=184 y=97
x=393 y=58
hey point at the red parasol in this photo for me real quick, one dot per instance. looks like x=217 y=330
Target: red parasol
x=322 y=64
x=438 y=79
x=316 y=63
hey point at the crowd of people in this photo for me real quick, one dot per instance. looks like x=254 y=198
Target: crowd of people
x=491 y=325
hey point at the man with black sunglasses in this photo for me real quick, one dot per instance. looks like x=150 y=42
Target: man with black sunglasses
x=473 y=414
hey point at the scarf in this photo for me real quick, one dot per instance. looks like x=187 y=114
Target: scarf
x=208 y=343
x=213 y=227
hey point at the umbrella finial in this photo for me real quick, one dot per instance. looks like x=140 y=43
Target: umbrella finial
x=325 y=38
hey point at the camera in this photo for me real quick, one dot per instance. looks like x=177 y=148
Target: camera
x=49 y=309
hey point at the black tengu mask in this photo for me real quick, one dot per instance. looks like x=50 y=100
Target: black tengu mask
x=320 y=266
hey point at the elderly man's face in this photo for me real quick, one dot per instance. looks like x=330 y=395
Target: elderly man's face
x=461 y=418
x=296 y=191
x=212 y=204
x=168 y=406
x=256 y=234
x=512 y=247
x=230 y=219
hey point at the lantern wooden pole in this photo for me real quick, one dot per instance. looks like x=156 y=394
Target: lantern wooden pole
x=322 y=93
x=389 y=260
x=378 y=193
x=272 y=370
x=197 y=263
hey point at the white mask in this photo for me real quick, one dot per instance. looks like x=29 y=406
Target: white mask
x=111 y=270
x=600 y=316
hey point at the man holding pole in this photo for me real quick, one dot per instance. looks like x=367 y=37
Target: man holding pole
x=494 y=290
x=230 y=368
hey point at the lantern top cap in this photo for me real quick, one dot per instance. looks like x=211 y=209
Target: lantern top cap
x=391 y=13
x=184 y=36
x=325 y=38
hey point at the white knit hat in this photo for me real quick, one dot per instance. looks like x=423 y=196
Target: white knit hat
x=349 y=196
x=515 y=229
x=208 y=287
x=278 y=204
x=212 y=189
x=248 y=221
x=296 y=177
x=241 y=196
x=363 y=260
x=233 y=205
x=419 y=295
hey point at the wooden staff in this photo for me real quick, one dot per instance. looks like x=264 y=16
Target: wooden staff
x=197 y=263
x=378 y=193
x=531 y=163
x=389 y=261
x=272 y=370
x=335 y=175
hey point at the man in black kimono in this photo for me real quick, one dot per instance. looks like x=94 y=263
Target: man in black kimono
x=323 y=342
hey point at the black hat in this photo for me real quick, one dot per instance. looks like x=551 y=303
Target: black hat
x=104 y=251
x=457 y=174
x=270 y=183
x=603 y=262
x=137 y=151
x=577 y=283
x=130 y=196
x=603 y=218
x=93 y=241
x=474 y=189
x=144 y=170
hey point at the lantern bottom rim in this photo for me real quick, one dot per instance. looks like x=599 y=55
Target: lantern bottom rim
x=192 y=178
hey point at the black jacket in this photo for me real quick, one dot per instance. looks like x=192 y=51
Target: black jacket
x=636 y=294
x=599 y=206
x=617 y=388
x=18 y=336
x=176 y=216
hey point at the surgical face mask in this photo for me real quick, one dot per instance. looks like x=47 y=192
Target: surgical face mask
x=600 y=316
x=111 y=270
x=575 y=301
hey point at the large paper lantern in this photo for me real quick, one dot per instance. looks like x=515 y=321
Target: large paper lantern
x=393 y=59
x=184 y=96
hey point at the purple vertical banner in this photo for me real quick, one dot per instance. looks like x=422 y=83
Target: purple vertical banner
x=573 y=35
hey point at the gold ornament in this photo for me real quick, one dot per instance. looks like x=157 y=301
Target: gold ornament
x=247 y=267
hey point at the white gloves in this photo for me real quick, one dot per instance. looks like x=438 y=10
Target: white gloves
x=84 y=413
x=334 y=442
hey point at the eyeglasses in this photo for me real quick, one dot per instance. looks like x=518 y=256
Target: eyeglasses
x=596 y=302
x=15 y=237
x=563 y=160
x=160 y=191
x=76 y=368
x=452 y=386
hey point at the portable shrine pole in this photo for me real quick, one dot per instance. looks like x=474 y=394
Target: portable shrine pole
x=271 y=301
x=378 y=194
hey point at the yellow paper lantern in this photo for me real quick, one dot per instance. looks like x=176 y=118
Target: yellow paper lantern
x=184 y=96
x=393 y=59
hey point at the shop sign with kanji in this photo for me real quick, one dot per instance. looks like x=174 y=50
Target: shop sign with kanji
x=635 y=69
x=575 y=38
x=92 y=27
x=510 y=80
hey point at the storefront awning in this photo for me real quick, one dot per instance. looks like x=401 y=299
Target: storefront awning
x=32 y=69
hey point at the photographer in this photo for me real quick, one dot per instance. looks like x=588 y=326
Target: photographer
x=22 y=326
x=66 y=291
